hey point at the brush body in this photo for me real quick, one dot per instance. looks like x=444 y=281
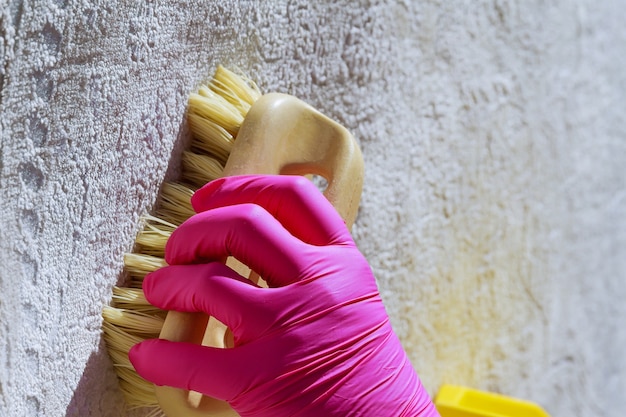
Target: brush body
x=214 y=115
x=235 y=131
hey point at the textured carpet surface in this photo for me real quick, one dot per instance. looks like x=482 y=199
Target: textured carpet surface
x=493 y=211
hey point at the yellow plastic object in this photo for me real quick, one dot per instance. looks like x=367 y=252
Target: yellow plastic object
x=280 y=135
x=455 y=401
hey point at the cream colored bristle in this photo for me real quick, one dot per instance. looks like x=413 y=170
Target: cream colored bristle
x=210 y=138
x=137 y=392
x=155 y=412
x=209 y=105
x=175 y=203
x=161 y=224
x=120 y=358
x=239 y=87
x=154 y=235
x=214 y=115
x=129 y=296
x=153 y=243
x=173 y=207
x=219 y=88
x=142 y=264
x=135 y=300
x=123 y=339
x=136 y=321
x=200 y=169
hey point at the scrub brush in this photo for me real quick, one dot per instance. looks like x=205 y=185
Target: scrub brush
x=235 y=130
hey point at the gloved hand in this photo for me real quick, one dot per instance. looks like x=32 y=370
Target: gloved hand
x=318 y=342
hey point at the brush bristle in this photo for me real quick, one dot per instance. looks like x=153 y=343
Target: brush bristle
x=214 y=114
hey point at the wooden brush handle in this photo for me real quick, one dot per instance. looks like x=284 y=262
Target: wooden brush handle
x=280 y=135
x=283 y=135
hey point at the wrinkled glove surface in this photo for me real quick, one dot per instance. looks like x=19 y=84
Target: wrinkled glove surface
x=318 y=342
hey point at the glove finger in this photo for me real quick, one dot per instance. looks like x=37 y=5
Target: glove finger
x=247 y=232
x=219 y=373
x=292 y=199
x=214 y=289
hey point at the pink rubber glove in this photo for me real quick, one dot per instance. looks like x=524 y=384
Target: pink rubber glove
x=317 y=343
